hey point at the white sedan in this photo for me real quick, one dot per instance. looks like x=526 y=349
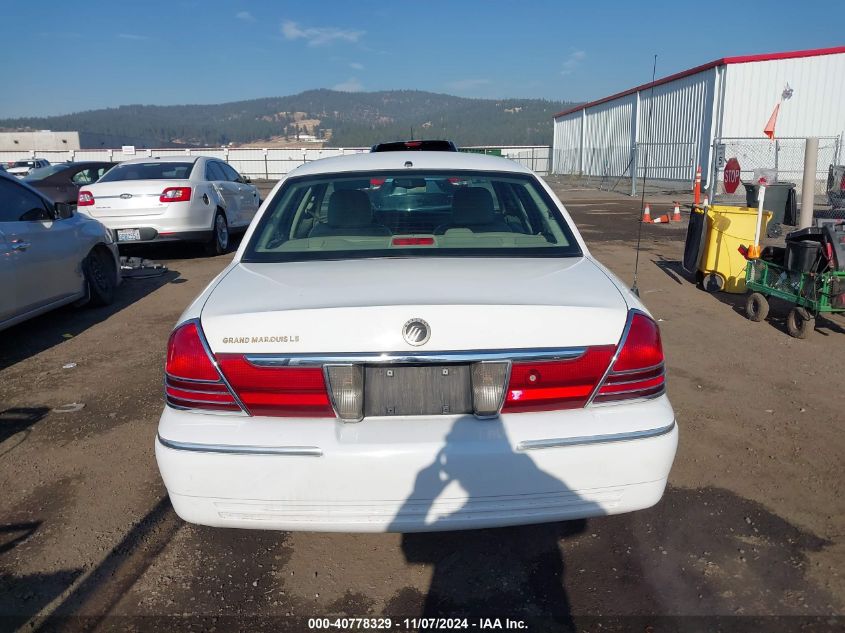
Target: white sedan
x=22 y=168
x=170 y=198
x=50 y=256
x=413 y=341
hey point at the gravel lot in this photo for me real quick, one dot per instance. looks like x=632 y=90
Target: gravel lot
x=751 y=524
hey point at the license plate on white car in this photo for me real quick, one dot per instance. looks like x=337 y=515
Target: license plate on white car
x=128 y=235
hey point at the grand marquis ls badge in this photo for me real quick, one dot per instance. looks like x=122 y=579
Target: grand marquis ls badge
x=416 y=332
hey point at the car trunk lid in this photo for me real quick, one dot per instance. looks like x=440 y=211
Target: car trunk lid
x=364 y=305
x=130 y=197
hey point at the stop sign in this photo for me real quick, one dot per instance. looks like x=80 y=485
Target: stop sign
x=731 y=175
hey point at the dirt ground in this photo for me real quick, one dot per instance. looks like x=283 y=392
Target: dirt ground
x=752 y=523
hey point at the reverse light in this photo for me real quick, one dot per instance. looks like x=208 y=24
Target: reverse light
x=84 y=199
x=488 y=387
x=346 y=385
x=175 y=194
x=639 y=370
x=191 y=379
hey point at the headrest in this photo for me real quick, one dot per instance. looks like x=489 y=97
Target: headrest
x=349 y=208
x=472 y=205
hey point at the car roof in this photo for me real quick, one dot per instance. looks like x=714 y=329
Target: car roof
x=163 y=159
x=382 y=161
x=25 y=185
x=82 y=163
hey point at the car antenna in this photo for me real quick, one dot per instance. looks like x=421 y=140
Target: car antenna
x=634 y=288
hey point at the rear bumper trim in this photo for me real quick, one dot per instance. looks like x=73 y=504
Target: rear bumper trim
x=293 y=451
x=446 y=357
x=530 y=445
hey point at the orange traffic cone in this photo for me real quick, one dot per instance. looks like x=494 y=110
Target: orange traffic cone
x=697 y=187
x=676 y=215
x=663 y=219
x=647 y=214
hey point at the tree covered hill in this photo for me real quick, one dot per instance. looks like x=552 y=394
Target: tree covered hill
x=339 y=118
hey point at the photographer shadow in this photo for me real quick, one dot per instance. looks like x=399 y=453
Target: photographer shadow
x=502 y=572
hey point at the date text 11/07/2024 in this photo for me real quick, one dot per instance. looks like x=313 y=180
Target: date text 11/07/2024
x=416 y=624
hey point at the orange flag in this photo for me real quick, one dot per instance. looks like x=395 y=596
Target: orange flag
x=769 y=130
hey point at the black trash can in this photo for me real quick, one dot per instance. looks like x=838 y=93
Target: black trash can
x=696 y=233
x=780 y=200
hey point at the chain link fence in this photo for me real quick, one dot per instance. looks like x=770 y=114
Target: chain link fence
x=660 y=167
x=781 y=159
x=270 y=163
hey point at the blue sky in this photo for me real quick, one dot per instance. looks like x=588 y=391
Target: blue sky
x=64 y=57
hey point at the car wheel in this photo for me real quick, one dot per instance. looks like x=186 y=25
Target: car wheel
x=219 y=242
x=757 y=307
x=101 y=277
x=799 y=322
x=713 y=282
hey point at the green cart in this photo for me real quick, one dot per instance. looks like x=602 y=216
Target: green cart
x=810 y=293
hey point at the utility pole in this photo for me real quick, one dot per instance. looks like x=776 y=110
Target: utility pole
x=808 y=185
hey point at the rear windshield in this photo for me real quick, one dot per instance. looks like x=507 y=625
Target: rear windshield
x=419 y=146
x=149 y=171
x=43 y=172
x=410 y=214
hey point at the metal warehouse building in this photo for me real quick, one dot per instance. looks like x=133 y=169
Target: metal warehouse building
x=693 y=113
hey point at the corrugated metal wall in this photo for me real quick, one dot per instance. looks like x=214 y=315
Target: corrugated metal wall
x=817 y=106
x=680 y=127
x=607 y=136
x=566 y=152
x=680 y=132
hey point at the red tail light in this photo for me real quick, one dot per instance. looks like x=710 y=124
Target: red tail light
x=554 y=385
x=376 y=182
x=413 y=241
x=277 y=391
x=175 y=194
x=85 y=198
x=842 y=184
x=191 y=379
x=639 y=371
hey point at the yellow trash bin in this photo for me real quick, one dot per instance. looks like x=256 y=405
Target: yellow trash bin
x=728 y=228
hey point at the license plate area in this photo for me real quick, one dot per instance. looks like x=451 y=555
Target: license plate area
x=128 y=235
x=417 y=390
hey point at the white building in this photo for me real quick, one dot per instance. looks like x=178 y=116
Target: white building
x=726 y=102
x=43 y=140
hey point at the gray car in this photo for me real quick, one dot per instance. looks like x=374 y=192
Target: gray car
x=50 y=255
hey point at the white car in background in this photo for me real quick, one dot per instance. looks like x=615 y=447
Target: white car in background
x=21 y=168
x=50 y=256
x=413 y=341
x=185 y=198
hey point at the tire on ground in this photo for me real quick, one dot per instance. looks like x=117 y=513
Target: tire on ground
x=219 y=242
x=799 y=322
x=756 y=307
x=100 y=274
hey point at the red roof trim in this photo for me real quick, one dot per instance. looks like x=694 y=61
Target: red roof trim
x=742 y=59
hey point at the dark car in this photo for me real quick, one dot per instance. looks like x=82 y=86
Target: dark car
x=61 y=182
x=415 y=146
x=836 y=186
